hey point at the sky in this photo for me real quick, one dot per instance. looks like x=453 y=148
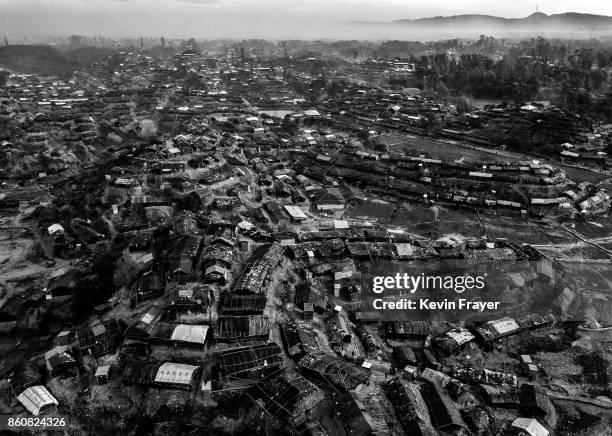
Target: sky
x=246 y=18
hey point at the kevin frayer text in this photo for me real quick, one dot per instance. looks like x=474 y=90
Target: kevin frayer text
x=428 y=304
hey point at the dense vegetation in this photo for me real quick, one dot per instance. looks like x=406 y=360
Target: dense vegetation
x=45 y=60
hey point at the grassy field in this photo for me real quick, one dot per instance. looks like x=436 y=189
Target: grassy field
x=440 y=149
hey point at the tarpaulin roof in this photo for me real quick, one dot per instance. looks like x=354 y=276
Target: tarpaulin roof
x=175 y=373
x=36 y=398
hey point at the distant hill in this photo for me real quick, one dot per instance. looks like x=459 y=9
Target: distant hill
x=569 y=20
x=568 y=24
x=42 y=59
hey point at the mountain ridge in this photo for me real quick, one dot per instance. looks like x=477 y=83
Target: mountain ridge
x=571 y=21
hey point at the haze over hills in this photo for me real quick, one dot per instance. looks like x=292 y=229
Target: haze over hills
x=569 y=24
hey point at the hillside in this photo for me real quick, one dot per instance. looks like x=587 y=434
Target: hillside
x=41 y=59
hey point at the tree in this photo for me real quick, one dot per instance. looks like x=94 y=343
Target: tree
x=290 y=125
x=191 y=202
x=75 y=40
x=463 y=104
x=163 y=41
x=3 y=78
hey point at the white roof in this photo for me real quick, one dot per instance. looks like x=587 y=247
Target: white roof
x=436 y=376
x=295 y=212
x=460 y=336
x=530 y=426
x=341 y=224
x=190 y=333
x=215 y=269
x=245 y=225
x=404 y=249
x=102 y=370
x=35 y=398
x=53 y=228
x=147 y=318
x=124 y=181
x=175 y=373
x=569 y=153
x=504 y=325
x=185 y=293
x=343 y=275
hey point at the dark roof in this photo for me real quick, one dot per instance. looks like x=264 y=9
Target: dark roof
x=535 y=403
x=407 y=402
x=239 y=328
x=259 y=265
x=344 y=374
x=405 y=355
x=101 y=337
x=444 y=414
x=500 y=396
x=142 y=328
x=404 y=329
x=328 y=196
x=289 y=396
x=150 y=283
x=243 y=304
x=299 y=338
x=16 y=305
x=241 y=362
x=64 y=284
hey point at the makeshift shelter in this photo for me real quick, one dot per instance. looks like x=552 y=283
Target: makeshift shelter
x=167 y=375
x=289 y=397
x=251 y=362
x=101 y=337
x=181 y=334
x=37 y=400
x=407 y=329
x=444 y=414
x=259 y=265
x=299 y=338
x=239 y=304
x=453 y=340
x=150 y=285
x=536 y=404
x=58 y=361
x=175 y=375
x=242 y=328
x=528 y=426
x=344 y=374
x=102 y=374
x=142 y=328
x=500 y=396
x=408 y=403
